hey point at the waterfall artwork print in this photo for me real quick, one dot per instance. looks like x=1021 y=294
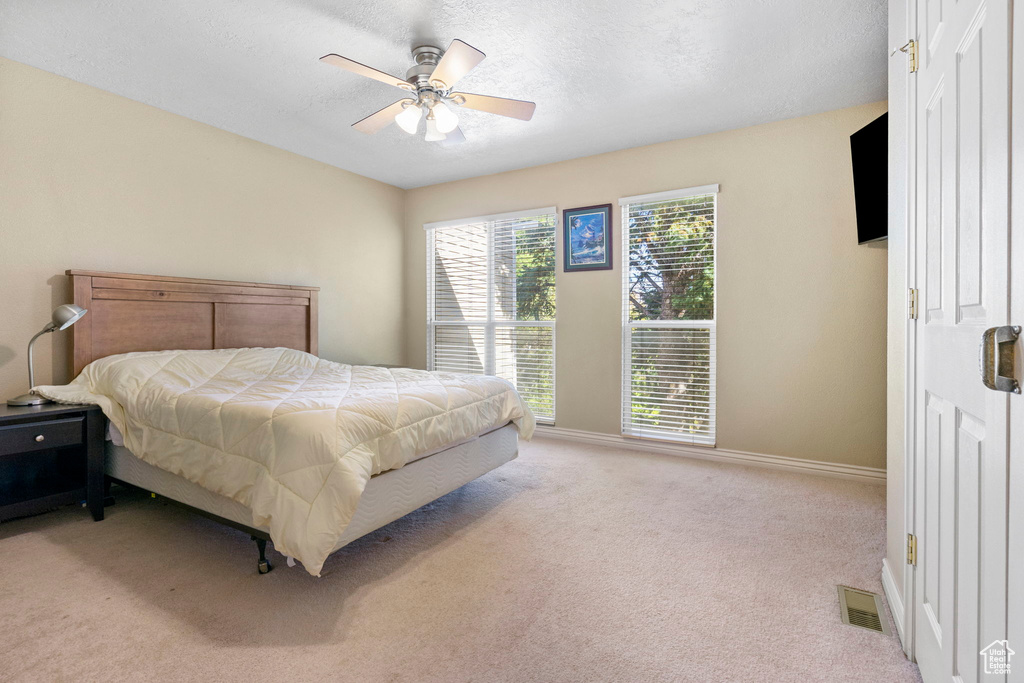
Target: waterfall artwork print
x=587 y=238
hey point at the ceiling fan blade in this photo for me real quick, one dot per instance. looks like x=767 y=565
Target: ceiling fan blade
x=363 y=70
x=381 y=119
x=456 y=62
x=516 y=109
x=455 y=137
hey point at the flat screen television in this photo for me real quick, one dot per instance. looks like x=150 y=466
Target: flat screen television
x=869 y=149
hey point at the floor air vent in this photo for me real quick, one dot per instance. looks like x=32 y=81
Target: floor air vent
x=860 y=608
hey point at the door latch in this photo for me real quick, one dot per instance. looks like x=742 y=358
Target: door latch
x=998 y=357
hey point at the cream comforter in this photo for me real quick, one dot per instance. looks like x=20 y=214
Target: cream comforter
x=293 y=437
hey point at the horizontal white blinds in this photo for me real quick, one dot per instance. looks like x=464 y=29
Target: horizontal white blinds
x=508 y=216
x=671 y=194
x=461 y=273
x=491 y=306
x=669 y=317
x=526 y=357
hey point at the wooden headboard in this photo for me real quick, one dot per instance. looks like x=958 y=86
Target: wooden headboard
x=160 y=313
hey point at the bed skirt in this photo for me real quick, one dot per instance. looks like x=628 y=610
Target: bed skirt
x=388 y=495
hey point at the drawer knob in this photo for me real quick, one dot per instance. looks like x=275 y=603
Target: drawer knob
x=40 y=438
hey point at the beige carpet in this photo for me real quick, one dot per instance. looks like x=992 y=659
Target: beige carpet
x=571 y=563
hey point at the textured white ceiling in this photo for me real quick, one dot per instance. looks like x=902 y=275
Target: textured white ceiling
x=605 y=74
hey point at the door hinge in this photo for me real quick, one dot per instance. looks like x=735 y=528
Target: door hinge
x=912 y=304
x=912 y=550
x=910 y=49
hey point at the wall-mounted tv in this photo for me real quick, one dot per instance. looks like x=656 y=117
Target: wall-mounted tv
x=869 y=149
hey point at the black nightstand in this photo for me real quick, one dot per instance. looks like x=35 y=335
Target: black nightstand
x=51 y=455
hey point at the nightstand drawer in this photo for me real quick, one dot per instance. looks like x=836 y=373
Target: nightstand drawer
x=35 y=436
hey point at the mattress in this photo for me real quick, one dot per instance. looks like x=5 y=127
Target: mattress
x=293 y=437
x=388 y=495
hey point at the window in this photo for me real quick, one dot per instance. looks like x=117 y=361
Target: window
x=668 y=303
x=491 y=301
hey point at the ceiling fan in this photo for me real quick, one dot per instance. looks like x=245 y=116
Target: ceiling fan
x=431 y=96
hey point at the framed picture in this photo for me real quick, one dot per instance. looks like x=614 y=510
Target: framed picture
x=587 y=238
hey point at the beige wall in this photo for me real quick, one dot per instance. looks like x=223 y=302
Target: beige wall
x=95 y=181
x=801 y=327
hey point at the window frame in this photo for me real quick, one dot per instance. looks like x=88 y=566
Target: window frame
x=492 y=323
x=625 y=394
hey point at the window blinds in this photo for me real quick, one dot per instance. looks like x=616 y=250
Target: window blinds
x=668 y=382
x=491 y=301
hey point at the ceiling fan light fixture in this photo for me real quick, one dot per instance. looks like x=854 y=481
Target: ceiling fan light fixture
x=445 y=118
x=433 y=133
x=409 y=119
x=427 y=84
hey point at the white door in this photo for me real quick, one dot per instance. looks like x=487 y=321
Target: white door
x=962 y=457
x=1015 y=576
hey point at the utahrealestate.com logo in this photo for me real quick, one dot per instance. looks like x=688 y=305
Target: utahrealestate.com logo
x=997 y=657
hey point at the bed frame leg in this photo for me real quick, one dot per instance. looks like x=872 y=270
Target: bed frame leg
x=263 y=565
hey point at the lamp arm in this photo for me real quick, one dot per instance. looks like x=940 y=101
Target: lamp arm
x=50 y=327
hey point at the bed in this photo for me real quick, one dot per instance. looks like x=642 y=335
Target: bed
x=159 y=318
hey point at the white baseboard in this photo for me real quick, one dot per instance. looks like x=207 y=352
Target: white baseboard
x=872 y=475
x=893 y=597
